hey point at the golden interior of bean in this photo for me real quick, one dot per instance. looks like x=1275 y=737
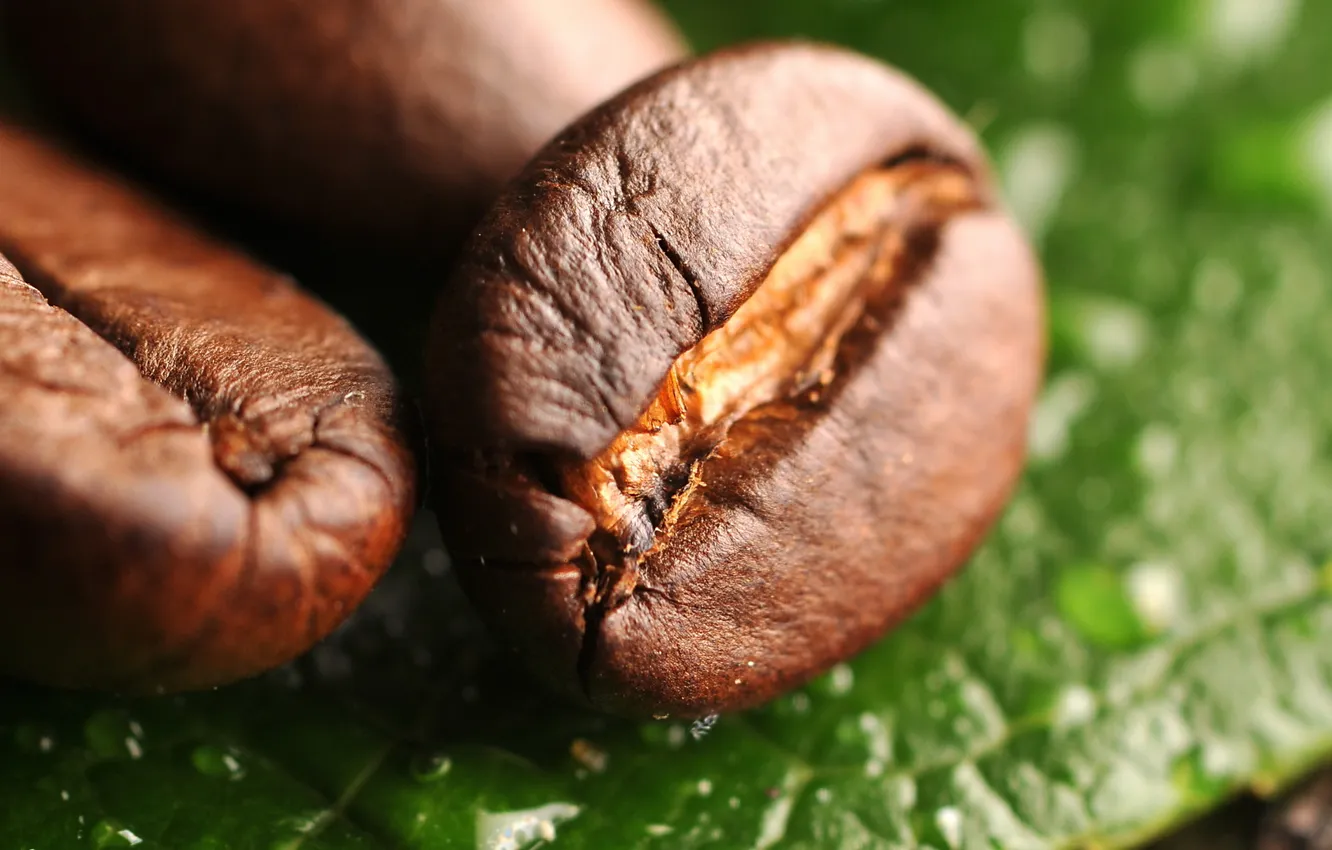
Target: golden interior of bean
x=783 y=341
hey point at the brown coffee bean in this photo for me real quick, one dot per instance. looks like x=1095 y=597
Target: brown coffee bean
x=201 y=468
x=731 y=379
x=396 y=119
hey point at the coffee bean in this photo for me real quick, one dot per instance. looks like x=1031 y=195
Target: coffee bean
x=732 y=377
x=388 y=119
x=201 y=468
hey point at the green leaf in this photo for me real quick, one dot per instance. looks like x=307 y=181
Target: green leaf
x=1145 y=633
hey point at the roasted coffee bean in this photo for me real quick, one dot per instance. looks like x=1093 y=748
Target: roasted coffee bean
x=388 y=119
x=732 y=377
x=201 y=470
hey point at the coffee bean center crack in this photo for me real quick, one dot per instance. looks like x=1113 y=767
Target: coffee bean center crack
x=780 y=347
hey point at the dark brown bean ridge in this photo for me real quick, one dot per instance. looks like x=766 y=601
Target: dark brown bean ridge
x=204 y=503
x=389 y=119
x=731 y=379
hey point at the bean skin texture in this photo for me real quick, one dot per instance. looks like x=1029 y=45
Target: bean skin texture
x=388 y=121
x=202 y=469
x=731 y=379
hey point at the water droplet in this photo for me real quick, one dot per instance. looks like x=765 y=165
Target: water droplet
x=676 y=736
x=1024 y=519
x=902 y=790
x=1222 y=761
x=111 y=734
x=217 y=761
x=1094 y=600
x=1155 y=592
x=1075 y=705
x=776 y=816
x=1114 y=333
x=954 y=667
x=1243 y=31
x=1162 y=76
x=1195 y=778
x=1317 y=151
x=1155 y=451
x=704 y=787
x=1036 y=165
x=841 y=679
x=1056 y=45
x=1061 y=405
x=34 y=738
x=517 y=829
x=108 y=833
x=302 y=825
x=876 y=738
x=430 y=767
x=949 y=821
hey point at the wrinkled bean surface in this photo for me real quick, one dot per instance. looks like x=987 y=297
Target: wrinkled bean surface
x=201 y=468
x=380 y=119
x=733 y=376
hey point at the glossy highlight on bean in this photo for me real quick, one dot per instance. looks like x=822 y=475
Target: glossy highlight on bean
x=390 y=121
x=731 y=379
x=202 y=469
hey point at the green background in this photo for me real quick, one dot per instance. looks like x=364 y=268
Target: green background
x=1145 y=633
